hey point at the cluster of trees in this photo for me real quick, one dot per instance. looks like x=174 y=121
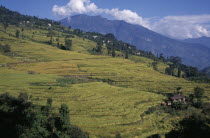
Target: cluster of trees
x=15 y=18
x=20 y=118
x=196 y=113
x=196 y=99
x=194 y=126
x=68 y=42
x=197 y=124
x=176 y=68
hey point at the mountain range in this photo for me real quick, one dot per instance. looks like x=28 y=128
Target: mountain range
x=201 y=40
x=193 y=54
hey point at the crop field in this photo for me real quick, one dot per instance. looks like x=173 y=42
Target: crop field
x=105 y=95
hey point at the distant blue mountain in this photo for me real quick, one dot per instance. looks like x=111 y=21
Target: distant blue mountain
x=192 y=54
x=201 y=40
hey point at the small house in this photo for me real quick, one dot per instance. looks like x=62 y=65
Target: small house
x=173 y=99
x=177 y=98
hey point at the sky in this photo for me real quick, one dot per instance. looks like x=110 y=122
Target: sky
x=179 y=19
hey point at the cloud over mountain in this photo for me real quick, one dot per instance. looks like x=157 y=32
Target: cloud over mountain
x=86 y=7
x=180 y=27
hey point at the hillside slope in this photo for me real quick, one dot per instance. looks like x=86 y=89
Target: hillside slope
x=192 y=54
x=106 y=95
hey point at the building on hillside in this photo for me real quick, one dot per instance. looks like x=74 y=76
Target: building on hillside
x=138 y=53
x=95 y=37
x=175 y=98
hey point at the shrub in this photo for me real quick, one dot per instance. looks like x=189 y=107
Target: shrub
x=5 y=48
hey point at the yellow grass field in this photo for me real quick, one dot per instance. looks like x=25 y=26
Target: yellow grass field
x=108 y=95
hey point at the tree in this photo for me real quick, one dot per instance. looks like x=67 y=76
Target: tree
x=155 y=65
x=22 y=32
x=68 y=44
x=175 y=60
x=17 y=34
x=168 y=71
x=191 y=98
x=6 y=25
x=118 y=135
x=58 y=40
x=178 y=89
x=113 y=53
x=99 y=47
x=191 y=72
x=126 y=55
x=5 y=48
x=104 y=50
x=64 y=117
x=23 y=97
x=32 y=35
x=179 y=72
x=21 y=118
x=110 y=36
x=179 y=105
x=48 y=108
x=199 y=93
x=194 y=126
x=162 y=57
x=50 y=34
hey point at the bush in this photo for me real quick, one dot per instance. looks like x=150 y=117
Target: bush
x=195 y=126
x=5 y=48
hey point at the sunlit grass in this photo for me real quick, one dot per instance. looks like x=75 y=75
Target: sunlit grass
x=102 y=109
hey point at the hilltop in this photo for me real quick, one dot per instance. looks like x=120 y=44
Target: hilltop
x=106 y=95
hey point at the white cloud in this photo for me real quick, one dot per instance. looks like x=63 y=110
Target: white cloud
x=128 y=16
x=86 y=7
x=180 y=27
x=75 y=7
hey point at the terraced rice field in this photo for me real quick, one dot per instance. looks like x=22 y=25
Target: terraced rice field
x=106 y=95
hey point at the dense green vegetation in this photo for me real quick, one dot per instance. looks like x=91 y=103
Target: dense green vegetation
x=106 y=95
x=195 y=113
x=207 y=71
x=20 y=118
